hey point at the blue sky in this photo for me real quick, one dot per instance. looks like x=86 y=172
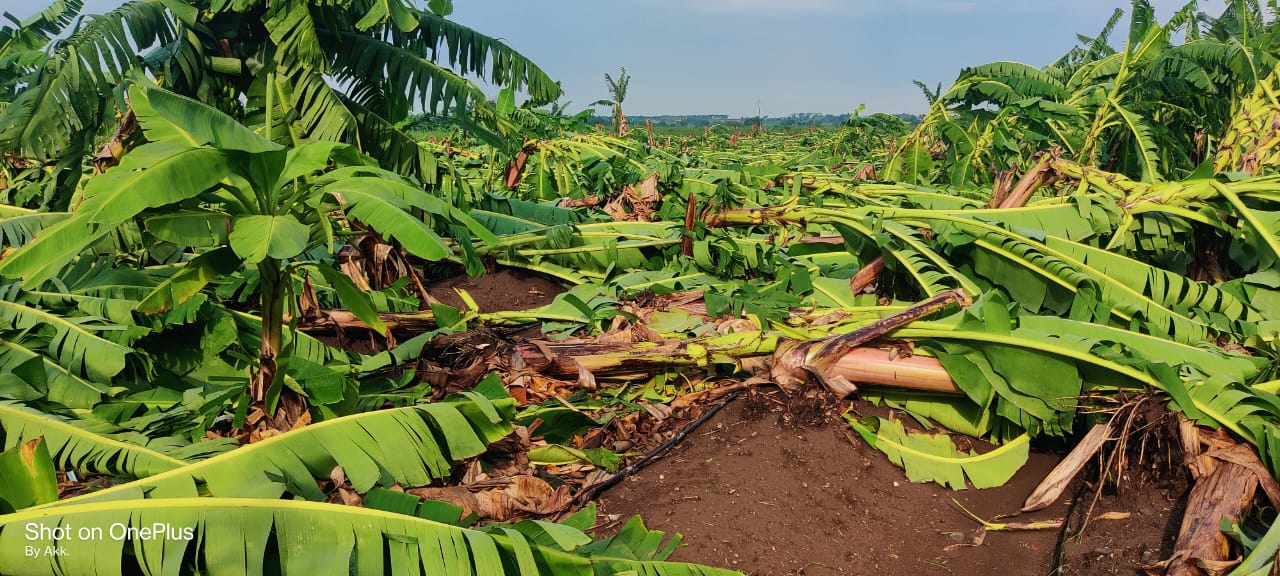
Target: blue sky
x=722 y=56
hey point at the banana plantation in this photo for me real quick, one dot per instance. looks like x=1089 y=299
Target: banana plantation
x=283 y=290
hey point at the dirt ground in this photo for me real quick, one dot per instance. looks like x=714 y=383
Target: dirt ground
x=776 y=490
x=498 y=289
x=774 y=487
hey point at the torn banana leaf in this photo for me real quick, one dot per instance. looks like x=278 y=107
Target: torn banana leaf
x=27 y=476
x=957 y=414
x=249 y=536
x=934 y=458
x=412 y=446
x=559 y=455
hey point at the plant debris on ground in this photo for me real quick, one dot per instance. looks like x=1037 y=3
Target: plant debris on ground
x=256 y=320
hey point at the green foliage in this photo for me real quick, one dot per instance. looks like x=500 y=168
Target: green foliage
x=146 y=306
x=1142 y=110
x=387 y=56
x=427 y=439
x=272 y=202
x=27 y=477
x=240 y=534
x=866 y=137
x=934 y=458
x=74 y=446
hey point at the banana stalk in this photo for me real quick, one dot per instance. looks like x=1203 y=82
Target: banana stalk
x=837 y=360
x=424 y=320
x=1227 y=477
x=1038 y=176
x=819 y=357
x=872 y=366
x=641 y=359
x=885 y=367
x=345 y=321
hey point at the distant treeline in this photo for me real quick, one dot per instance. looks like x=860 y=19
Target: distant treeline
x=422 y=125
x=696 y=120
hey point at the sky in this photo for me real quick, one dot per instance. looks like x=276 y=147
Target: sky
x=776 y=56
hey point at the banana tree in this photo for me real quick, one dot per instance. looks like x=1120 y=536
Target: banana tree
x=23 y=50
x=269 y=64
x=1146 y=110
x=240 y=203
x=617 y=93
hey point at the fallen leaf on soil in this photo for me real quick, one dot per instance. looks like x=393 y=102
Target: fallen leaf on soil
x=976 y=537
x=1113 y=516
x=658 y=411
x=586 y=380
x=523 y=496
x=1053 y=485
x=636 y=202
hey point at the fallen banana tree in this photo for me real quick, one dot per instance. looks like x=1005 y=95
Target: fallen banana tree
x=820 y=357
x=1134 y=327
x=835 y=358
x=980 y=356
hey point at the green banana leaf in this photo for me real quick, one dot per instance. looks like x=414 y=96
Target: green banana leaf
x=79 y=345
x=27 y=476
x=412 y=446
x=238 y=536
x=996 y=355
x=28 y=374
x=934 y=458
x=75 y=447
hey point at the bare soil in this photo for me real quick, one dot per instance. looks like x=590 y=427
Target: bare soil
x=498 y=290
x=772 y=486
x=778 y=488
x=1153 y=489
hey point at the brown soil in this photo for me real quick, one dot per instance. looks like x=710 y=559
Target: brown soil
x=1111 y=547
x=776 y=487
x=497 y=290
x=770 y=488
x=1153 y=491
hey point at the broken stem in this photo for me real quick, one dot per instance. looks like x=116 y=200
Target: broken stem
x=690 y=216
x=866 y=276
x=1051 y=524
x=820 y=356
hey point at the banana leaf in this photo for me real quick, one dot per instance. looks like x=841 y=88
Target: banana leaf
x=412 y=446
x=934 y=458
x=238 y=536
x=27 y=477
x=75 y=447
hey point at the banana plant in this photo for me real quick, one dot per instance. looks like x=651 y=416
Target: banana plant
x=253 y=536
x=238 y=492
x=617 y=94
x=240 y=202
x=268 y=64
x=1147 y=110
